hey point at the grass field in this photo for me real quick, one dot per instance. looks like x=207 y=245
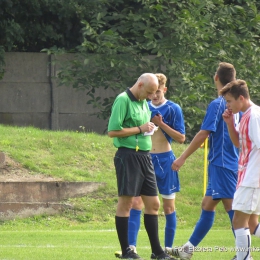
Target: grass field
x=87 y=231
x=100 y=244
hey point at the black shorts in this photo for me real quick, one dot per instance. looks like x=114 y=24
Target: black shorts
x=135 y=173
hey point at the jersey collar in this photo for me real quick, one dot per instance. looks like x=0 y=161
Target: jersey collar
x=130 y=94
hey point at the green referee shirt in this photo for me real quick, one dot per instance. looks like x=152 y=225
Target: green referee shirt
x=128 y=112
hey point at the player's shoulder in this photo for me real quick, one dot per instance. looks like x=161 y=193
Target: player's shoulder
x=172 y=104
x=220 y=101
x=217 y=100
x=122 y=98
x=255 y=111
x=256 y=108
x=122 y=95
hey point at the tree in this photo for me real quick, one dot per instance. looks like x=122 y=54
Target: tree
x=31 y=25
x=184 y=39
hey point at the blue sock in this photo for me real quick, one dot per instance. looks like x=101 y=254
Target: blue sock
x=170 y=228
x=202 y=227
x=231 y=214
x=133 y=226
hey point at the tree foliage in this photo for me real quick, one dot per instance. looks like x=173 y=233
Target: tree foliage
x=184 y=39
x=117 y=40
x=31 y=25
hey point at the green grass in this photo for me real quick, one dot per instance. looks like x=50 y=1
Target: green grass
x=84 y=232
x=101 y=244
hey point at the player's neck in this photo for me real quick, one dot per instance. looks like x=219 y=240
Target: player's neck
x=160 y=103
x=219 y=87
x=135 y=92
x=248 y=104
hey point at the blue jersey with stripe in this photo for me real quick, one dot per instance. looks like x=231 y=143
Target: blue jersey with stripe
x=222 y=152
x=171 y=115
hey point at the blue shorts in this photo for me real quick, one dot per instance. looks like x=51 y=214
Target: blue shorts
x=221 y=182
x=167 y=179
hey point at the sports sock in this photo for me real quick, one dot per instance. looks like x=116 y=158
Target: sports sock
x=231 y=214
x=170 y=228
x=134 y=226
x=243 y=242
x=151 y=226
x=122 y=230
x=202 y=227
x=257 y=231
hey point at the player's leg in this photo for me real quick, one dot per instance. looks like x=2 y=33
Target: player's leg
x=246 y=205
x=134 y=221
x=242 y=234
x=254 y=219
x=151 y=207
x=121 y=221
x=204 y=223
x=227 y=203
x=227 y=181
x=129 y=183
x=171 y=220
x=202 y=227
x=168 y=184
x=152 y=204
x=209 y=204
x=254 y=225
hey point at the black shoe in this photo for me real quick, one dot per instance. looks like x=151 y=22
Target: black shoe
x=130 y=255
x=162 y=256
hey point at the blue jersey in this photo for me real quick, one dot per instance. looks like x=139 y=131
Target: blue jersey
x=171 y=115
x=222 y=152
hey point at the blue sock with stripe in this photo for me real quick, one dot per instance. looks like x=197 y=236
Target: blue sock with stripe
x=134 y=226
x=202 y=227
x=170 y=228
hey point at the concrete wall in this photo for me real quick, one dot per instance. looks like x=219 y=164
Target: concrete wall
x=30 y=96
x=24 y=199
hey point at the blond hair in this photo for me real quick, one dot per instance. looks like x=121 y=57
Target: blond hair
x=161 y=78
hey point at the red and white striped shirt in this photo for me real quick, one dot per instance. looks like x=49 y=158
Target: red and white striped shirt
x=249 y=153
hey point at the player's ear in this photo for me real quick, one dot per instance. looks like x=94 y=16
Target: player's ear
x=241 y=98
x=140 y=84
x=165 y=90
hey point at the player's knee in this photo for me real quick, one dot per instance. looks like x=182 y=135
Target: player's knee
x=153 y=206
x=137 y=203
x=168 y=209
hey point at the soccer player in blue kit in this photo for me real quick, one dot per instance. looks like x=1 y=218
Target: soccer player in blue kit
x=222 y=167
x=168 y=116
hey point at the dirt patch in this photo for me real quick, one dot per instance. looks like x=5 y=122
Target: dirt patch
x=11 y=170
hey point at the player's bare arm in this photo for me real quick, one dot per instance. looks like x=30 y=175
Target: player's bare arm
x=194 y=145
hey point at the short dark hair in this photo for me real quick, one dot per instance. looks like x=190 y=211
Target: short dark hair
x=226 y=72
x=236 y=88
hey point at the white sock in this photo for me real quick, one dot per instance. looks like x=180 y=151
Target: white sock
x=257 y=231
x=243 y=243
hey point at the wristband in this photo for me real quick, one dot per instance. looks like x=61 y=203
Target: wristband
x=139 y=129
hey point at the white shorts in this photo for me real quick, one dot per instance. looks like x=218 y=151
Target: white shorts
x=247 y=200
